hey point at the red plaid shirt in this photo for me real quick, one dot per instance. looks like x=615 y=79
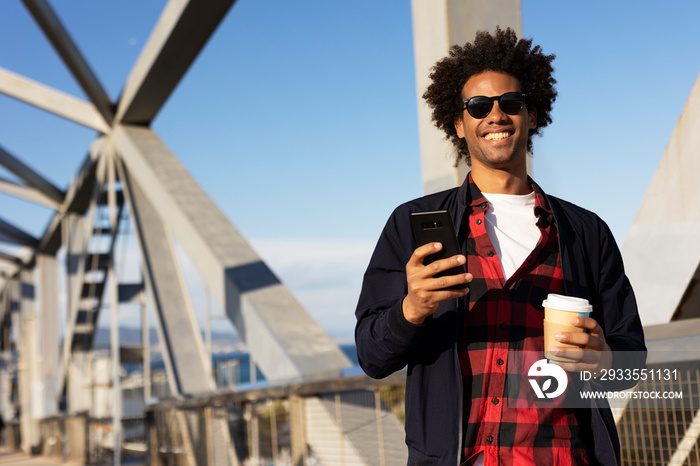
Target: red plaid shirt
x=506 y=316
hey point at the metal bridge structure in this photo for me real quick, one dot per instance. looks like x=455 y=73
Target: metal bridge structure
x=129 y=176
x=129 y=173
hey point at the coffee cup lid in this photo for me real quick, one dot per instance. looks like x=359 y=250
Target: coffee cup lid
x=567 y=303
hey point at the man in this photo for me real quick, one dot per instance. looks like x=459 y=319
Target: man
x=518 y=244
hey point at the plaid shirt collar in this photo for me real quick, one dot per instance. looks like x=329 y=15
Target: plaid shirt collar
x=470 y=196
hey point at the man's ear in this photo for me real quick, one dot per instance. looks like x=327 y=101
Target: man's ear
x=459 y=127
x=533 y=117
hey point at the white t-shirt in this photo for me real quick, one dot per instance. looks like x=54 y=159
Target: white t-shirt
x=512 y=228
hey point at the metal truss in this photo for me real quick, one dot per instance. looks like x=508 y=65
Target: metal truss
x=130 y=174
x=670 y=214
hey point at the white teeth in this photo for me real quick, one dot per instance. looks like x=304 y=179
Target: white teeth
x=494 y=136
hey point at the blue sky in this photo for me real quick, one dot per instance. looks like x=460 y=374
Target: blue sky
x=299 y=118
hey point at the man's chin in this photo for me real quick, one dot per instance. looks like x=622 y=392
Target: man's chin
x=498 y=161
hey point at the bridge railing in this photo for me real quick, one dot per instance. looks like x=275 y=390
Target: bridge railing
x=350 y=420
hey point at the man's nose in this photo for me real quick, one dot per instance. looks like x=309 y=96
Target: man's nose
x=497 y=114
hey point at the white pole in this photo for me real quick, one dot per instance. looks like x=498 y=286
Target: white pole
x=146 y=344
x=114 y=320
x=116 y=365
x=207 y=330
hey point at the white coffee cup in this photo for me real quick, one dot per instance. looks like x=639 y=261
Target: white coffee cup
x=558 y=312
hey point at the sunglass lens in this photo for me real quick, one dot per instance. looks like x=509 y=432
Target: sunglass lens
x=511 y=103
x=479 y=107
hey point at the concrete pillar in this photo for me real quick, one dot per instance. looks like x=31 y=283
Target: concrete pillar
x=79 y=383
x=297 y=430
x=30 y=386
x=669 y=214
x=437 y=25
x=50 y=329
x=7 y=410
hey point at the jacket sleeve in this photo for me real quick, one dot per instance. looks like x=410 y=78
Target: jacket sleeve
x=619 y=317
x=384 y=338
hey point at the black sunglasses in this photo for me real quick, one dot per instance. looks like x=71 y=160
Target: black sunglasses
x=480 y=106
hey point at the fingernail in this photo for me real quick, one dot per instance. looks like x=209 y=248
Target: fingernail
x=574 y=320
x=559 y=336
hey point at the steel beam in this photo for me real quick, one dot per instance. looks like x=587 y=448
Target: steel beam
x=77 y=198
x=75 y=235
x=10 y=258
x=281 y=336
x=80 y=192
x=5 y=343
x=32 y=178
x=75 y=238
x=27 y=193
x=186 y=363
x=669 y=214
x=9 y=267
x=60 y=39
x=180 y=34
x=52 y=100
x=15 y=235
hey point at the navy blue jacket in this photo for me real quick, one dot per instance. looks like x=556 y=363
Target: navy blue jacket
x=386 y=342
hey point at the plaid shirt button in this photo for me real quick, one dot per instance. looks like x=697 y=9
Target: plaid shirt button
x=499 y=362
x=506 y=315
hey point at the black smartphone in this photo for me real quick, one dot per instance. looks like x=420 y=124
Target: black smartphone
x=437 y=227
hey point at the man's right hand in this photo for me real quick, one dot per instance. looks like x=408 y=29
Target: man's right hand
x=425 y=291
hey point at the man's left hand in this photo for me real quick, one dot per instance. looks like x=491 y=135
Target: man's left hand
x=592 y=356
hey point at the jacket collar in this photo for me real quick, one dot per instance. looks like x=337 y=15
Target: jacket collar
x=469 y=195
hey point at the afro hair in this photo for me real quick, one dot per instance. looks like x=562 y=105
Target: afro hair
x=502 y=52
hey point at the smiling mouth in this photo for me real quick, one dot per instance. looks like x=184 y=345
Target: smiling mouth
x=498 y=136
